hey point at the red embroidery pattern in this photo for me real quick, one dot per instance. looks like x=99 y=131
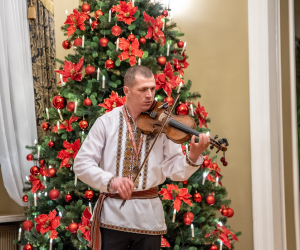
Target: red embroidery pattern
x=133 y=230
x=120 y=140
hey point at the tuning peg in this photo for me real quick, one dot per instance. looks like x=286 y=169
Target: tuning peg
x=211 y=147
x=216 y=137
x=164 y=105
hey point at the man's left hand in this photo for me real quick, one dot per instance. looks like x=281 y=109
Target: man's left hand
x=198 y=148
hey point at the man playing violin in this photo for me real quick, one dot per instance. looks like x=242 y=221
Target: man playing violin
x=119 y=147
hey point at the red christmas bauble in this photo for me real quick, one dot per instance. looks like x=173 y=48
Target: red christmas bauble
x=54 y=194
x=29 y=157
x=59 y=102
x=89 y=70
x=66 y=44
x=180 y=44
x=94 y=24
x=109 y=64
x=51 y=172
x=182 y=109
x=113 y=11
x=161 y=60
x=206 y=163
x=78 y=42
x=197 y=197
x=25 y=198
x=187 y=103
x=71 y=106
x=225 y=163
x=103 y=42
x=213 y=247
x=169 y=100
x=142 y=40
x=73 y=227
x=87 y=102
x=34 y=170
x=88 y=194
x=46 y=126
x=222 y=159
x=98 y=13
x=224 y=212
x=86 y=8
x=188 y=218
x=116 y=30
x=42 y=162
x=187 y=221
x=28 y=247
x=165 y=13
x=83 y=124
x=131 y=37
x=210 y=200
x=177 y=67
x=51 y=144
x=215 y=166
x=27 y=225
x=68 y=197
x=43 y=171
x=230 y=212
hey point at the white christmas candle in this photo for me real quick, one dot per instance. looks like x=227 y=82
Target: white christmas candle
x=35 y=142
x=204 y=176
x=140 y=61
x=90 y=206
x=39 y=150
x=75 y=182
x=98 y=73
x=90 y=21
x=46 y=194
x=27 y=178
x=34 y=197
x=103 y=82
x=60 y=214
x=47 y=112
x=174 y=215
x=207 y=133
x=192 y=109
x=109 y=16
x=35 y=221
x=75 y=109
x=82 y=136
x=50 y=247
x=132 y=3
x=67 y=13
x=179 y=87
x=60 y=114
x=192 y=227
x=168 y=50
x=83 y=41
x=58 y=127
x=117 y=48
x=217 y=182
x=183 y=48
x=20 y=232
x=61 y=80
x=221 y=245
x=163 y=27
x=45 y=179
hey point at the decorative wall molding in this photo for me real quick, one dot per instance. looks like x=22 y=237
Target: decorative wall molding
x=12 y=218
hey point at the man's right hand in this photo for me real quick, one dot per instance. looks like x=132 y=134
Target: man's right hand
x=124 y=186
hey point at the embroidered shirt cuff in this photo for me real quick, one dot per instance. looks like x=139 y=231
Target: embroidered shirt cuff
x=109 y=189
x=197 y=164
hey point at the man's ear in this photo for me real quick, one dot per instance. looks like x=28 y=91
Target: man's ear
x=126 y=90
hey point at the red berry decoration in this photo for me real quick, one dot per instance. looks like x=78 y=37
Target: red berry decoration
x=86 y=8
x=59 y=102
x=182 y=109
x=169 y=100
x=177 y=67
x=43 y=171
x=222 y=159
x=224 y=212
x=71 y=106
x=73 y=227
x=66 y=44
x=206 y=163
x=197 y=197
x=42 y=162
x=25 y=198
x=113 y=11
x=215 y=166
x=51 y=172
x=87 y=102
x=28 y=247
x=89 y=194
x=109 y=64
x=210 y=200
x=68 y=197
x=188 y=218
x=83 y=124
x=213 y=247
x=184 y=182
x=27 y=225
x=131 y=37
x=46 y=126
x=142 y=40
x=94 y=24
x=161 y=60
x=230 y=212
x=98 y=13
x=116 y=30
x=165 y=13
x=89 y=70
x=180 y=44
x=51 y=144
x=34 y=170
x=29 y=157
x=103 y=42
x=225 y=163
x=54 y=194
x=78 y=42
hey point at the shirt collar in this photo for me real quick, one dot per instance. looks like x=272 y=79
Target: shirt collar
x=129 y=116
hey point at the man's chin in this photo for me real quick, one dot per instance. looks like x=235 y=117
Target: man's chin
x=145 y=106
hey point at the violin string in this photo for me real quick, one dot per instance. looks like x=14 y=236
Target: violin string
x=180 y=126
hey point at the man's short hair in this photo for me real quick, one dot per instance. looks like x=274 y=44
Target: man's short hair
x=129 y=78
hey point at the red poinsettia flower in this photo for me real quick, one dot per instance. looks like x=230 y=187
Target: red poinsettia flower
x=75 y=20
x=45 y=223
x=113 y=102
x=129 y=50
x=183 y=148
x=154 y=29
x=183 y=64
x=70 y=151
x=179 y=194
x=71 y=71
x=164 y=242
x=126 y=12
x=167 y=80
x=67 y=124
x=84 y=226
x=223 y=233
x=36 y=184
x=200 y=111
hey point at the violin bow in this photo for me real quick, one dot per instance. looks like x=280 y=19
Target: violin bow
x=147 y=155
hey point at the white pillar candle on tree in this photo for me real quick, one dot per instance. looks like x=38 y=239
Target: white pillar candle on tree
x=39 y=150
x=61 y=80
x=34 y=201
x=217 y=181
x=168 y=50
x=98 y=73
x=90 y=206
x=140 y=61
x=179 y=88
x=75 y=109
x=192 y=228
x=75 y=182
x=163 y=27
x=132 y=3
x=183 y=49
x=45 y=179
x=204 y=176
x=60 y=114
x=50 y=247
x=192 y=109
x=83 y=41
x=221 y=245
x=47 y=112
x=35 y=142
x=20 y=232
x=109 y=16
x=58 y=126
x=174 y=215
x=117 y=48
x=103 y=82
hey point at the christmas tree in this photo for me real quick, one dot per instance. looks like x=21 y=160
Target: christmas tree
x=109 y=36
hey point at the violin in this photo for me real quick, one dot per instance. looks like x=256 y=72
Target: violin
x=178 y=128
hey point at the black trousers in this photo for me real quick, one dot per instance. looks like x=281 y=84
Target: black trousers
x=118 y=240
